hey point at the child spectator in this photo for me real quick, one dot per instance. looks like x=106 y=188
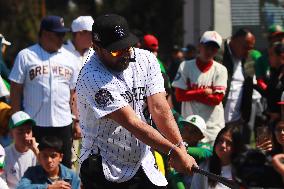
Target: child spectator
x=50 y=173
x=227 y=145
x=20 y=155
x=3 y=184
x=200 y=85
x=194 y=130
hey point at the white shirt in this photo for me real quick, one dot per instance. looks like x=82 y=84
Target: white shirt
x=101 y=92
x=16 y=164
x=3 y=184
x=201 y=182
x=47 y=79
x=3 y=89
x=83 y=58
x=234 y=99
x=188 y=77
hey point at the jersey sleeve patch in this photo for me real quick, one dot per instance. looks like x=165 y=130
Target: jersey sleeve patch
x=103 y=98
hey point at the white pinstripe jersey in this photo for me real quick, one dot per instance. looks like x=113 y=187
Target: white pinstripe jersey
x=189 y=77
x=47 y=80
x=100 y=92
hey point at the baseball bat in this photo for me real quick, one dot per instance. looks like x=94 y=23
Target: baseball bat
x=223 y=180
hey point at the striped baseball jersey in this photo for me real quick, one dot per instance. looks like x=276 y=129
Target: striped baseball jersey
x=102 y=91
x=47 y=79
x=189 y=77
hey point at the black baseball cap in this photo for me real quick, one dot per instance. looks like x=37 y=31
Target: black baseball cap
x=53 y=24
x=112 y=32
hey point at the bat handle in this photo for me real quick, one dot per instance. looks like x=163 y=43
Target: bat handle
x=225 y=181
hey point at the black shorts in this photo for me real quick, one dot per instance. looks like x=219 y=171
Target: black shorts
x=92 y=177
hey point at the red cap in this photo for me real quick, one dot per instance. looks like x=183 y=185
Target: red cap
x=151 y=43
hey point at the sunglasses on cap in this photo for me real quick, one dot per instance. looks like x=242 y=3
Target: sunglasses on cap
x=120 y=52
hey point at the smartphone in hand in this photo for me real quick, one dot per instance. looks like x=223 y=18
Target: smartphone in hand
x=67 y=180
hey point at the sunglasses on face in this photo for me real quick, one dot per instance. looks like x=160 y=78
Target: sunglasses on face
x=120 y=52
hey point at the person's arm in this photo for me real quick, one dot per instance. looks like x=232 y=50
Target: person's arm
x=265 y=145
x=33 y=145
x=204 y=96
x=261 y=83
x=212 y=99
x=126 y=117
x=16 y=95
x=199 y=153
x=188 y=95
x=26 y=181
x=163 y=117
x=73 y=105
x=76 y=182
x=277 y=163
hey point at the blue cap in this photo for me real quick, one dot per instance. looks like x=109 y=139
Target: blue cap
x=53 y=24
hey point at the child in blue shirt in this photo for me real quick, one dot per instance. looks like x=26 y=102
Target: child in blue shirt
x=50 y=173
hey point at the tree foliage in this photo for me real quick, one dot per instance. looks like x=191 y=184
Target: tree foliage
x=20 y=20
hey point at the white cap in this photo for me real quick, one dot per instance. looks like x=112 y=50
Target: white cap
x=82 y=23
x=197 y=121
x=211 y=36
x=4 y=41
x=19 y=118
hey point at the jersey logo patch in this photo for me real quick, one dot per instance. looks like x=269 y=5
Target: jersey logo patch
x=103 y=98
x=193 y=120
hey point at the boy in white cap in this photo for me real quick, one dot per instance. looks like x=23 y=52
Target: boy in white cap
x=201 y=84
x=22 y=153
x=193 y=131
x=81 y=42
x=3 y=184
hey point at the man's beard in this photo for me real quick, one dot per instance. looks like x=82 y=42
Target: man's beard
x=121 y=64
